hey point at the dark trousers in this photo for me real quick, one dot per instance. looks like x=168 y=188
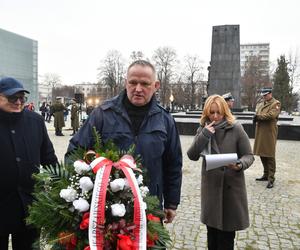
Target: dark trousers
x=219 y=240
x=269 y=164
x=21 y=240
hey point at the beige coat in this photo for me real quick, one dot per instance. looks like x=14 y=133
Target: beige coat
x=223 y=191
x=266 y=128
x=74 y=117
x=58 y=111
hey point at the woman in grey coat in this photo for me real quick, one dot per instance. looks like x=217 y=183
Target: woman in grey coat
x=224 y=206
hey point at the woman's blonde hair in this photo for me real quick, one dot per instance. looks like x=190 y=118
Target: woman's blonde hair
x=223 y=109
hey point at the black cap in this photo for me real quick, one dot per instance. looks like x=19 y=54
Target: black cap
x=10 y=86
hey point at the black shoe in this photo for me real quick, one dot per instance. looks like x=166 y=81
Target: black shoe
x=263 y=178
x=270 y=184
x=60 y=134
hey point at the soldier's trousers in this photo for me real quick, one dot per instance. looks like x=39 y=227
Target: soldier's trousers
x=269 y=164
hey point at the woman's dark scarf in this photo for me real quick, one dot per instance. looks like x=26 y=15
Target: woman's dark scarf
x=212 y=140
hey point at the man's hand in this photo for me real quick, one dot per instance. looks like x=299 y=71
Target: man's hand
x=169 y=215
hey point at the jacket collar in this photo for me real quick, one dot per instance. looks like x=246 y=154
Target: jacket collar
x=10 y=117
x=269 y=101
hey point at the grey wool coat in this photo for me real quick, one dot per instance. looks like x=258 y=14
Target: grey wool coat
x=224 y=202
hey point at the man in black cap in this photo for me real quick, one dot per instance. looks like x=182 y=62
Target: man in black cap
x=229 y=99
x=25 y=145
x=266 y=131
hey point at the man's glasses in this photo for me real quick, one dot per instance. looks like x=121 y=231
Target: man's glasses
x=15 y=98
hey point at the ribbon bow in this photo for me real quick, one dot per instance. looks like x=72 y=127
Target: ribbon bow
x=102 y=166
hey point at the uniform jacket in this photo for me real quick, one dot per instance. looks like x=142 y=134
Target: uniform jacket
x=157 y=142
x=223 y=192
x=24 y=146
x=58 y=111
x=266 y=128
x=74 y=116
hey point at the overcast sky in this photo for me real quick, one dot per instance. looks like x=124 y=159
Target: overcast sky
x=75 y=35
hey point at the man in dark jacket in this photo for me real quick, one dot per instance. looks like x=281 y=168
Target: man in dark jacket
x=24 y=146
x=134 y=117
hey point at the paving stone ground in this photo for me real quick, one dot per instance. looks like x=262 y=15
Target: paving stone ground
x=274 y=213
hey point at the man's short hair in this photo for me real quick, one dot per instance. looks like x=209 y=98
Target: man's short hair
x=142 y=63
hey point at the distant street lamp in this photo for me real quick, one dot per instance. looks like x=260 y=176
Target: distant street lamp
x=171 y=102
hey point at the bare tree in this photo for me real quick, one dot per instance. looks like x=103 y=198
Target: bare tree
x=51 y=79
x=165 y=59
x=111 y=72
x=65 y=91
x=253 y=79
x=293 y=68
x=193 y=74
x=137 y=55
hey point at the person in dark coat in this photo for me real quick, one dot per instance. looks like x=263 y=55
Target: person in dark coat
x=266 y=131
x=43 y=110
x=224 y=206
x=134 y=117
x=25 y=145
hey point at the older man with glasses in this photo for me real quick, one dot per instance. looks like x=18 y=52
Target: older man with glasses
x=25 y=145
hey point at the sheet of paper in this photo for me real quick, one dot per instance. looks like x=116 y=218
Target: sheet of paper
x=218 y=160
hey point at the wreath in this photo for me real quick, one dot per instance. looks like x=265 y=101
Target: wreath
x=98 y=200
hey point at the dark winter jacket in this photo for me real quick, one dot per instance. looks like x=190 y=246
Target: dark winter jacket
x=24 y=146
x=157 y=142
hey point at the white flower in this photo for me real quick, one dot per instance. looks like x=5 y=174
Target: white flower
x=144 y=191
x=118 y=210
x=144 y=205
x=117 y=185
x=86 y=184
x=81 y=205
x=140 y=179
x=81 y=167
x=126 y=184
x=68 y=194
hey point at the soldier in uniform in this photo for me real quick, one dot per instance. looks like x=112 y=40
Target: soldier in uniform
x=266 y=131
x=74 y=117
x=58 y=111
x=229 y=99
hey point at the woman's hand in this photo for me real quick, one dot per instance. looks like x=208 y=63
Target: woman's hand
x=236 y=167
x=210 y=127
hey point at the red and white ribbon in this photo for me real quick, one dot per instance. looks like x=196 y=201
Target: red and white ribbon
x=102 y=167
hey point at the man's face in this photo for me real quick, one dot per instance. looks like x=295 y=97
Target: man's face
x=140 y=85
x=230 y=103
x=267 y=97
x=14 y=103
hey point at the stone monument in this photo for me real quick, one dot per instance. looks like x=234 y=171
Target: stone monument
x=224 y=70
